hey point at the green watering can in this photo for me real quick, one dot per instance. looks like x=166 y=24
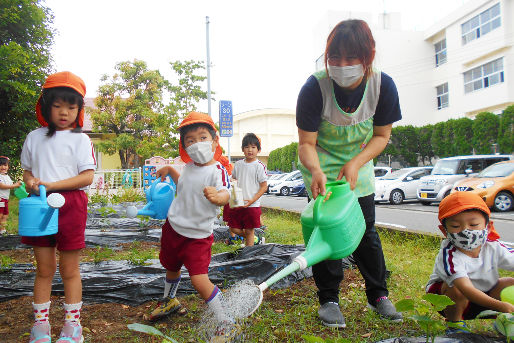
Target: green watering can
x=504 y=322
x=331 y=229
x=21 y=192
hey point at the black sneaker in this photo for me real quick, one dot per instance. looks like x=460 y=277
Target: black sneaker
x=386 y=309
x=331 y=315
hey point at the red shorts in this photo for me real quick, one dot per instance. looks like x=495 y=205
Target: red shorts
x=177 y=251
x=226 y=213
x=245 y=218
x=72 y=224
x=470 y=312
x=4 y=206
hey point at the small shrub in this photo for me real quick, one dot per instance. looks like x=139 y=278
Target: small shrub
x=100 y=254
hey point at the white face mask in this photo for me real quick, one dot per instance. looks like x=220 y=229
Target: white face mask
x=468 y=239
x=201 y=152
x=346 y=76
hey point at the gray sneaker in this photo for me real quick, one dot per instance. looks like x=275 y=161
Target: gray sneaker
x=386 y=309
x=331 y=315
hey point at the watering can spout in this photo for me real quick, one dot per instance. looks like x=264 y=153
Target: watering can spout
x=146 y=211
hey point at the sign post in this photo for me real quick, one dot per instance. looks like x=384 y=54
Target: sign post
x=226 y=122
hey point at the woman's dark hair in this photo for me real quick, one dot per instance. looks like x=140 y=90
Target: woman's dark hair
x=251 y=139
x=60 y=93
x=185 y=129
x=352 y=38
x=4 y=161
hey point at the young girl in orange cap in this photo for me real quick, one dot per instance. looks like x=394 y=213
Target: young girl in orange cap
x=466 y=267
x=202 y=187
x=61 y=158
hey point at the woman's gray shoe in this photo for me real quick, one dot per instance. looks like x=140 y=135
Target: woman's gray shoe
x=386 y=309
x=331 y=315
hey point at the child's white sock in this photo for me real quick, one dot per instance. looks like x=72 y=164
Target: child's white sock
x=72 y=312
x=41 y=312
x=171 y=287
x=215 y=303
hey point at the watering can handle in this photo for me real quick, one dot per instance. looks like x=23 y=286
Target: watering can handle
x=42 y=192
x=157 y=180
x=317 y=204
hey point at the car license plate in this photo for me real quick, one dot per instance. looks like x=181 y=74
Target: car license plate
x=424 y=195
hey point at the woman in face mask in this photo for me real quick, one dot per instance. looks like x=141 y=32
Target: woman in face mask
x=344 y=116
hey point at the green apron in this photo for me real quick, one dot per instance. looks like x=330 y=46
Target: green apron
x=341 y=135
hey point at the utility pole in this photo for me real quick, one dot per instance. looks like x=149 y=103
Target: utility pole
x=208 y=66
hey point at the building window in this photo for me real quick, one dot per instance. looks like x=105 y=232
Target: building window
x=442 y=96
x=484 y=76
x=481 y=24
x=440 y=52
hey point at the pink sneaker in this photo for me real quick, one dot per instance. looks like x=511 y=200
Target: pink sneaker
x=40 y=333
x=71 y=333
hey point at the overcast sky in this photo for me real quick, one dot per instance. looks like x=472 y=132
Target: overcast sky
x=261 y=51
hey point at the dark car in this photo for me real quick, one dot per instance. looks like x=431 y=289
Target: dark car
x=299 y=190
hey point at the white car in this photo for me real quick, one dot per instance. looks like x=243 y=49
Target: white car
x=400 y=185
x=286 y=183
x=380 y=172
x=274 y=179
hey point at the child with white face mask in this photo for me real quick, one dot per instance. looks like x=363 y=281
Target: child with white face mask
x=187 y=236
x=466 y=267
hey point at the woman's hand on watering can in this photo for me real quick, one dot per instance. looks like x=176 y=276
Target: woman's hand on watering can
x=350 y=172
x=319 y=180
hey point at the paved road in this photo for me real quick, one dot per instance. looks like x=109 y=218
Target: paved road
x=410 y=216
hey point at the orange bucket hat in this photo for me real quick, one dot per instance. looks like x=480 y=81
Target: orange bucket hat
x=62 y=79
x=195 y=118
x=461 y=201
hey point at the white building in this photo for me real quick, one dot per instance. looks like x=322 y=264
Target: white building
x=275 y=127
x=461 y=66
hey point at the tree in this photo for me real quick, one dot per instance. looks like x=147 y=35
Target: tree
x=485 y=132
x=26 y=37
x=184 y=97
x=129 y=105
x=425 y=143
x=462 y=136
x=439 y=140
x=506 y=131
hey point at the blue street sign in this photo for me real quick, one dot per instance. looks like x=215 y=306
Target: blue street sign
x=226 y=119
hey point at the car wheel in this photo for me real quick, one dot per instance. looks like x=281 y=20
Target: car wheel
x=396 y=197
x=284 y=191
x=503 y=202
x=425 y=203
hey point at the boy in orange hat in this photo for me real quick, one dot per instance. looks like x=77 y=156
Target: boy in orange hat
x=61 y=158
x=202 y=187
x=466 y=267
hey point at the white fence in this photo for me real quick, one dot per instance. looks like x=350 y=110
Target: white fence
x=117 y=178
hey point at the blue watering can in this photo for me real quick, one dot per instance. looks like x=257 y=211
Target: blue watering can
x=158 y=200
x=38 y=214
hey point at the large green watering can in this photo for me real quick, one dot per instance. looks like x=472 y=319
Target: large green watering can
x=332 y=230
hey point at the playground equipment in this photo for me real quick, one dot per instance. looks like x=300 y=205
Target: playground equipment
x=21 y=192
x=159 y=197
x=38 y=215
x=331 y=229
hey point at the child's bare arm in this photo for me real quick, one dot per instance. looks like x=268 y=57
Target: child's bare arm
x=168 y=170
x=14 y=185
x=216 y=197
x=476 y=296
x=263 y=186
x=84 y=179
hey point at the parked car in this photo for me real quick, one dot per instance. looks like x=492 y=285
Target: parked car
x=494 y=184
x=400 y=185
x=274 y=179
x=380 y=172
x=299 y=190
x=284 y=184
x=447 y=171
